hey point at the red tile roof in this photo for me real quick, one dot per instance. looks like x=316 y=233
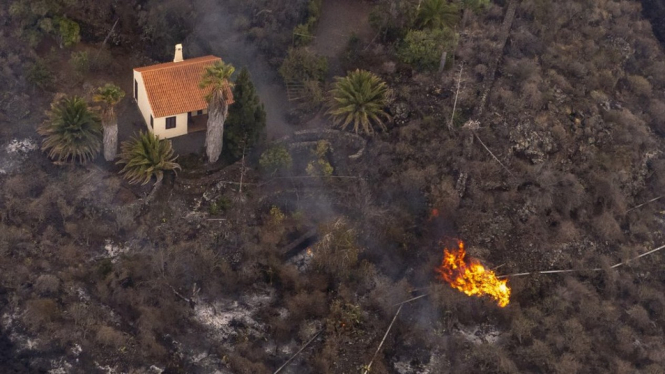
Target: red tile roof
x=173 y=87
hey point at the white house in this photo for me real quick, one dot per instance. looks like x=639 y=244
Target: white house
x=169 y=97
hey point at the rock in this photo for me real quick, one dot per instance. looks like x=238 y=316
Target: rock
x=530 y=143
x=389 y=67
x=400 y=112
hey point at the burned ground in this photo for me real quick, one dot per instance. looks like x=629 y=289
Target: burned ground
x=205 y=278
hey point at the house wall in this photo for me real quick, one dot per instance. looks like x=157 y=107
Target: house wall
x=180 y=127
x=142 y=101
x=159 y=123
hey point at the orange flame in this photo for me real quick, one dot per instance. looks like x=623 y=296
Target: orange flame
x=471 y=277
x=309 y=251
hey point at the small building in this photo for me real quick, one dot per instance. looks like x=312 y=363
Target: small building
x=169 y=97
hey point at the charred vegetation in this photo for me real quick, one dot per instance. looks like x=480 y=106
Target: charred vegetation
x=543 y=152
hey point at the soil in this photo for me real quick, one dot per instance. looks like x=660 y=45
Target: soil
x=341 y=19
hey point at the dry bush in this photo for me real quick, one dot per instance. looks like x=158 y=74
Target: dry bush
x=40 y=312
x=47 y=284
x=337 y=251
x=488 y=358
x=307 y=305
x=607 y=227
x=22 y=186
x=639 y=318
x=150 y=346
x=539 y=355
x=242 y=365
x=657 y=112
x=531 y=95
x=521 y=328
x=568 y=363
x=110 y=337
x=640 y=85
x=624 y=338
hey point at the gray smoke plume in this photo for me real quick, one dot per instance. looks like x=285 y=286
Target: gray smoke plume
x=214 y=34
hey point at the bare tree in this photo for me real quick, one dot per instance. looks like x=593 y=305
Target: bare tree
x=459 y=81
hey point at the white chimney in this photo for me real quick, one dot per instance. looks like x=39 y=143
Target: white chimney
x=178 y=53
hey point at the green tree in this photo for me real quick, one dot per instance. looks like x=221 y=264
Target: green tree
x=437 y=14
x=475 y=5
x=36 y=18
x=40 y=75
x=146 y=156
x=359 y=99
x=423 y=48
x=301 y=65
x=109 y=95
x=217 y=77
x=320 y=167
x=68 y=32
x=72 y=131
x=246 y=123
x=275 y=158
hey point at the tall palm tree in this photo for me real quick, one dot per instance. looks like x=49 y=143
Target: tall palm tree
x=72 y=132
x=359 y=99
x=110 y=95
x=145 y=156
x=217 y=78
x=438 y=14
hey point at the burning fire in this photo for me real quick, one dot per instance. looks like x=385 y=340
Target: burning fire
x=471 y=277
x=309 y=252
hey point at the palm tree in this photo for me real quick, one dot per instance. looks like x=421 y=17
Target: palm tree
x=145 y=156
x=110 y=95
x=359 y=99
x=216 y=77
x=72 y=132
x=438 y=14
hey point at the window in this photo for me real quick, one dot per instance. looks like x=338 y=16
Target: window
x=152 y=122
x=170 y=123
x=136 y=89
x=199 y=112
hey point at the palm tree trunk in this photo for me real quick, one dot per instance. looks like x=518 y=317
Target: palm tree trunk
x=110 y=140
x=217 y=112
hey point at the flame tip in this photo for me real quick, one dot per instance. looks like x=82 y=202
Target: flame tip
x=471 y=277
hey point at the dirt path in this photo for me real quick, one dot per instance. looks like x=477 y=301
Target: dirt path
x=339 y=20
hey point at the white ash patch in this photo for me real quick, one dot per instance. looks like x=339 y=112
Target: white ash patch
x=82 y=295
x=21 y=146
x=207 y=362
x=76 y=350
x=106 y=369
x=60 y=367
x=155 y=370
x=288 y=349
x=219 y=317
x=436 y=362
x=403 y=367
x=21 y=341
x=303 y=260
x=226 y=319
x=480 y=334
x=114 y=250
x=14 y=153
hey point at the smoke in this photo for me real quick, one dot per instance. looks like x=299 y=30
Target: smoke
x=214 y=34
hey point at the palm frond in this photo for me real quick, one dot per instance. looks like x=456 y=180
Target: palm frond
x=145 y=156
x=72 y=131
x=437 y=14
x=218 y=78
x=359 y=99
x=109 y=95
